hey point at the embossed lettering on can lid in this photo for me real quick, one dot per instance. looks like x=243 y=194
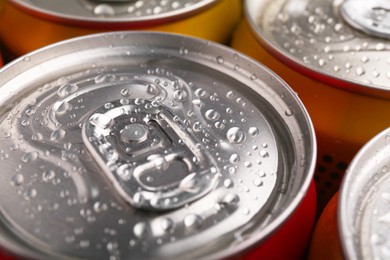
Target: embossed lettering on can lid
x=320 y=39
x=130 y=12
x=364 y=203
x=147 y=145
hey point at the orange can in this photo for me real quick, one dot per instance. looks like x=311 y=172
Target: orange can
x=34 y=24
x=355 y=223
x=341 y=73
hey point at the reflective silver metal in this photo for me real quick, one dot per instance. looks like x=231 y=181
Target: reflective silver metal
x=136 y=145
x=371 y=17
x=115 y=11
x=313 y=37
x=364 y=203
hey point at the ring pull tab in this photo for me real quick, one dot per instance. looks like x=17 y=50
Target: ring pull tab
x=371 y=17
x=152 y=159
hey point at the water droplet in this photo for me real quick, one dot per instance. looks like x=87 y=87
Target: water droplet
x=17 y=180
x=197 y=127
x=104 y=10
x=104 y=78
x=84 y=243
x=31 y=156
x=380 y=47
x=360 y=71
x=264 y=154
x=183 y=51
x=66 y=89
x=201 y=93
x=212 y=115
x=48 y=175
x=179 y=95
x=257 y=182
x=230 y=95
x=140 y=230
x=166 y=224
x=57 y=135
x=230 y=199
x=99 y=207
x=234 y=158
x=289 y=112
x=235 y=135
x=61 y=107
x=254 y=131
x=220 y=60
x=228 y=183
x=192 y=221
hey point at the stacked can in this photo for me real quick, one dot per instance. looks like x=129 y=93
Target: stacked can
x=335 y=55
x=141 y=145
x=355 y=224
x=34 y=23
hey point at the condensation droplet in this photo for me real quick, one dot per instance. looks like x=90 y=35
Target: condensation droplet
x=67 y=89
x=230 y=199
x=17 y=180
x=212 y=115
x=57 y=135
x=254 y=131
x=31 y=156
x=48 y=175
x=140 y=230
x=192 y=221
x=234 y=158
x=166 y=224
x=228 y=183
x=235 y=135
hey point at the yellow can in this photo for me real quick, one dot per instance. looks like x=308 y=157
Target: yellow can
x=340 y=71
x=27 y=25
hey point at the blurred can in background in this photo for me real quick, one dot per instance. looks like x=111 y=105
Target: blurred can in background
x=335 y=55
x=355 y=223
x=143 y=145
x=30 y=24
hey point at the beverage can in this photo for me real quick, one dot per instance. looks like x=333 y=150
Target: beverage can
x=49 y=22
x=147 y=145
x=354 y=225
x=340 y=70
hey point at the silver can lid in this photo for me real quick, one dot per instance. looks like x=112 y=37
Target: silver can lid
x=332 y=41
x=364 y=202
x=115 y=12
x=147 y=145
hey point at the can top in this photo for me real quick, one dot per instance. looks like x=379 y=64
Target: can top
x=146 y=145
x=344 y=43
x=364 y=202
x=111 y=12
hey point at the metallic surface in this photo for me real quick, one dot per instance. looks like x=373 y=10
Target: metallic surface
x=94 y=128
x=370 y=17
x=115 y=11
x=344 y=120
x=313 y=37
x=364 y=202
x=212 y=20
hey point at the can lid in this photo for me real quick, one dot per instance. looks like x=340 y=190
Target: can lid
x=147 y=145
x=135 y=13
x=364 y=202
x=317 y=39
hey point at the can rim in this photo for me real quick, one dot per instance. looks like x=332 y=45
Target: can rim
x=115 y=23
x=313 y=73
x=17 y=65
x=345 y=231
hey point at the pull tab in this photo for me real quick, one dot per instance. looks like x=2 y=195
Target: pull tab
x=151 y=158
x=371 y=17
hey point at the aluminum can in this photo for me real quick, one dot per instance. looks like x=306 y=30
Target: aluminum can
x=142 y=145
x=359 y=215
x=341 y=73
x=38 y=23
